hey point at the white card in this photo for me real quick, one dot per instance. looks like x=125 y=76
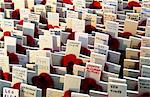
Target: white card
x=109 y=17
x=28 y=91
x=117 y=80
x=4 y=63
x=83 y=38
x=24 y=13
x=130 y=26
x=72 y=14
x=40 y=9
x=73 y=47
x=72 y=82
x=34 y=53
x=101 y=38
x=93 y=70
x=90 y=19
x=133 y=16
x=53 y=18
x=145 y=42
x=54 y=93
x=8 y=25
x=143 y=84
x=19 y=74
x=101 y=49
x=20 y=5
x=145 y=71
x=109 y=9
x=30 y=4
x=34 y=17
x=112 y=28
x=10 y=44
x=78 y=25
x=145 y=61
x=73 y=94
x=28 y=28
x=98 y=58
x=45 y=41
x=147 y=31
x=43 y=65
x=9 y=92
x=117 y=90
x=79 y=4
x=145 y=52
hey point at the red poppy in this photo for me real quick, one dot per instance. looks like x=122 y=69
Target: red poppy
x=13 y=58
x=7 y=33
x=7 y=0
x=20 y=49
x=67 y=59
x=16 y=14
x=146 y=94
x=85 y=51
x=67 y=93
x=95 y=5
x=49 y=27
x=142 y=22
x=43 y=2
x=16 y=86
x=5 y=75
x=52 y=69
x=113 y=43
x=1 y=9
x=36 y=32
x=21 y=22
x=71 y=35
x=67 y=2
x=12 y=5
x=89 y=29
x=43 y=81
x=43 y=20
x=30 y=41
x=125 y=34
x=132 y=4
x=89 y=84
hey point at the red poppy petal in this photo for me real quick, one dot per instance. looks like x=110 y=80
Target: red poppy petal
x=1 y=74
x=67 y=1
x=16 y=14
x=36 y=81
x=142 y=22
x=43 y=20
x=96 y=5
x=125 y=34
x=7 y=33
x=50 y=26
x=56 y=26
x=6 y=76
x=67 y=59
x=89 y=29
x=67 y=93
x=1 y=9
x=88 y=84
x=48 y=80
x=43 y=2
x=21 y=22
x=16 y=86
x=30 y=41
x=133 y=4
x=36 y=32
x=85 y=51
x=52 y=69
x=7 y=0
x=13 y=58
x=78 y=62
x=20 y=49
x=113 y=43
x=145 y=94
